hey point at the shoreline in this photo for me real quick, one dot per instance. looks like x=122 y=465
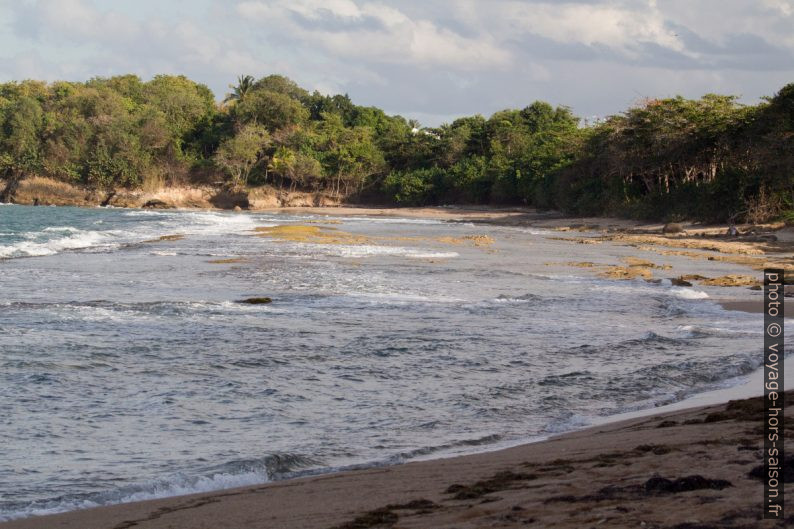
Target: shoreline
x=700 y=404
x=610 y=424
x=594 y=475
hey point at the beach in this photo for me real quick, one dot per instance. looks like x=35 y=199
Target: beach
x=540 y=324
x=687 y=468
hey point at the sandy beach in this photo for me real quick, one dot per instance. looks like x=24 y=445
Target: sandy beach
x=682 y=469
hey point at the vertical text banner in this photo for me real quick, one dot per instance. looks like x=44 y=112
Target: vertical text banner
x=773 y=394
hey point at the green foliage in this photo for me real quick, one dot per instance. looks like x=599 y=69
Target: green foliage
x=709 y=158
x=273 y=110
x=21 y=129
x=415 y=187
x=238 y=155
x=184 y=103
x=244 y=85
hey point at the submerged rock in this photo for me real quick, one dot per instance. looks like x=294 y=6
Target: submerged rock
x=255 y=301
x=680 y=282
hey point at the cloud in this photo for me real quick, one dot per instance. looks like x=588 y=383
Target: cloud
x=375 y=32
x=619 y=28
x=434 y=60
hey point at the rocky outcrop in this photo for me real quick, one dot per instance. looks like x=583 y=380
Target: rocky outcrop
x=230 y=199
x=46 y=191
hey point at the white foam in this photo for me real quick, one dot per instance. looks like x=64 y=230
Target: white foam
x=72 y=238
x=77 y=239
x=67 y=229
x=393 y=297
x=374 y=250
x=176 y=486
x=688 y=293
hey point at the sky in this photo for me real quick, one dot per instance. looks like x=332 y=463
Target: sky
x=431 y=60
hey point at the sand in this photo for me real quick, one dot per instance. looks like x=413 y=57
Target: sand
x=604 y=476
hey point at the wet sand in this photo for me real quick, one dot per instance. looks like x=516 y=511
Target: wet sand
x=753 y=306
x=681 y=469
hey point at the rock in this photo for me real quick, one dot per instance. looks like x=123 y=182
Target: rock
x=788 y=470
x=237 y=208
x=680 y=282
x=672 y=227
x=229 y=198
x=157 y=204
x=663 y=485
x=256 y=301
x=731 y=280
x=692 y=277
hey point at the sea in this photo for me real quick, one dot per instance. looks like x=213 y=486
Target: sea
x=131 y=370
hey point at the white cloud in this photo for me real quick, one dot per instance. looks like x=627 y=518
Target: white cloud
x=80 y=20
x=614 y=26
x=396 y=37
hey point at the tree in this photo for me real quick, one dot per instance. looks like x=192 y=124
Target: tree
x=239 y=154
x=184 y=103
x=21 y=145
x=301 y=169
x=281 y=85
x=244 y=85
x=349 y=154
x=273 y=110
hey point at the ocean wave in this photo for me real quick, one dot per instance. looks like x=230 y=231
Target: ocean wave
x=226 y=476
x=103 y=310
x=698 y=331
x=649 y=340
x=525 y=298
x=571 y=422
x=52 y=240
x=420 y=453
x=400 y=298
x=688 y=377
x=688 y=293
x=76 y=240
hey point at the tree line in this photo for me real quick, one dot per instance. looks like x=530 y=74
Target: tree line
x=711 y=158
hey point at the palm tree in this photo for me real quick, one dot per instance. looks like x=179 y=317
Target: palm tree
x=244 y=85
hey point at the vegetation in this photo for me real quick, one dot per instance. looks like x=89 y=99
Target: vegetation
x=711 y=159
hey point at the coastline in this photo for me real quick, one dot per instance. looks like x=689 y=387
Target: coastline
x=366 y=483
x=603 y=474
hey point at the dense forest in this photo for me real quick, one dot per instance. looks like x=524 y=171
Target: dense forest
x=711 y=159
